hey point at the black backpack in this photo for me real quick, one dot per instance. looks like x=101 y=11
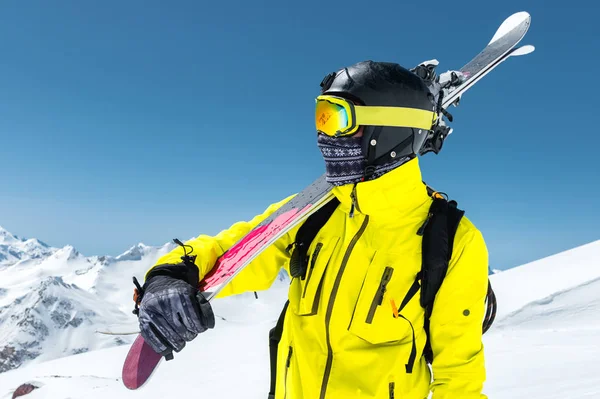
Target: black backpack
x=438 y=233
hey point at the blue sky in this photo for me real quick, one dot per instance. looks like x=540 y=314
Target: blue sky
x=137 y=121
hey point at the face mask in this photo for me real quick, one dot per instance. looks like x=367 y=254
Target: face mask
x=345 y=163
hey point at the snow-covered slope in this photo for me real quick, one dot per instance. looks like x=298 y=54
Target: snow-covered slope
x=546 y=278
x=51 y=320
x=543 y=344
x=53 y=300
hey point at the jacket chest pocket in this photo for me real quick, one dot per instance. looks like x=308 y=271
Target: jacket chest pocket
x=377 y=317
x=305 y=292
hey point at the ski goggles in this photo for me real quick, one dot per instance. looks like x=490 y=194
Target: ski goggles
x=338 y=117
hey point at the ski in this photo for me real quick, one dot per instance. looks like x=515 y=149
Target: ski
x=142 y=361
x=498 y=50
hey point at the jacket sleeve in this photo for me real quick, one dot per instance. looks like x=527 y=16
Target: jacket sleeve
x=457 y=317
x=258 y=275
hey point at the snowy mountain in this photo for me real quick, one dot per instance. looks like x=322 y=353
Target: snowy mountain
x=51 y=320
x=14 y=249
x=542 y=345
x=53 y=300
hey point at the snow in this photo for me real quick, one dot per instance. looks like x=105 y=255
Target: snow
x=510 y=23
x=53 y=300
x=545 y=278
x=542 y=345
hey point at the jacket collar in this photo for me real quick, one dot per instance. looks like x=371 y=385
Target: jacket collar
x=400 y=191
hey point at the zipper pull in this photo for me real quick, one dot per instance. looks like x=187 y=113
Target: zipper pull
x=421 y=230
x=354 y=201
x=394 y=308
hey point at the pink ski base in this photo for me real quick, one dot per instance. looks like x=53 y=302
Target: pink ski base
x=230 y=262
x=140 y=363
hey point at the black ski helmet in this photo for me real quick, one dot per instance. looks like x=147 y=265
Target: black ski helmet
x=372 y=83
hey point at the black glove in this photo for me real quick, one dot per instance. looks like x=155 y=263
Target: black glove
x=172 y=311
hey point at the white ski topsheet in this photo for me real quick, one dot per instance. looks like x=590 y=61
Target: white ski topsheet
x=523 y=50
x=543 y=344
x=510 y=23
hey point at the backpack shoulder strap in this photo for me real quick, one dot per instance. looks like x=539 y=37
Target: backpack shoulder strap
x=274 y=338
x=438 y=233
x=305 y=236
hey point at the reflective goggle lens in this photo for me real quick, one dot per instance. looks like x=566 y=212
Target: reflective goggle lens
x=330 y=118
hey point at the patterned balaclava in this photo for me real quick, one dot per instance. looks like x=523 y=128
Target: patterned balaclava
x=345 y=162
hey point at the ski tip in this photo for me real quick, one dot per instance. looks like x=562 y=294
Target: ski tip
x=510 y=23
x=523 y=50
x=139 y=365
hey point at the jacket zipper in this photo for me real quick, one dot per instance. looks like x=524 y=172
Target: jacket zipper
x=378 y=299
x=287 y=367
x=312 y=266
x=334 y=290
x=354 y=197
x=392 y=388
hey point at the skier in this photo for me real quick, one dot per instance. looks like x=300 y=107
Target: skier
x=354 y=326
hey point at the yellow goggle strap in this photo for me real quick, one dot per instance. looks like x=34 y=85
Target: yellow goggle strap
x=394 y=116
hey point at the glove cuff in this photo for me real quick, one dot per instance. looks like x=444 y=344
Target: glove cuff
x=186 y=271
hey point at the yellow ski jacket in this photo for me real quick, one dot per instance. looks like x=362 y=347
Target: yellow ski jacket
x=339 y=341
